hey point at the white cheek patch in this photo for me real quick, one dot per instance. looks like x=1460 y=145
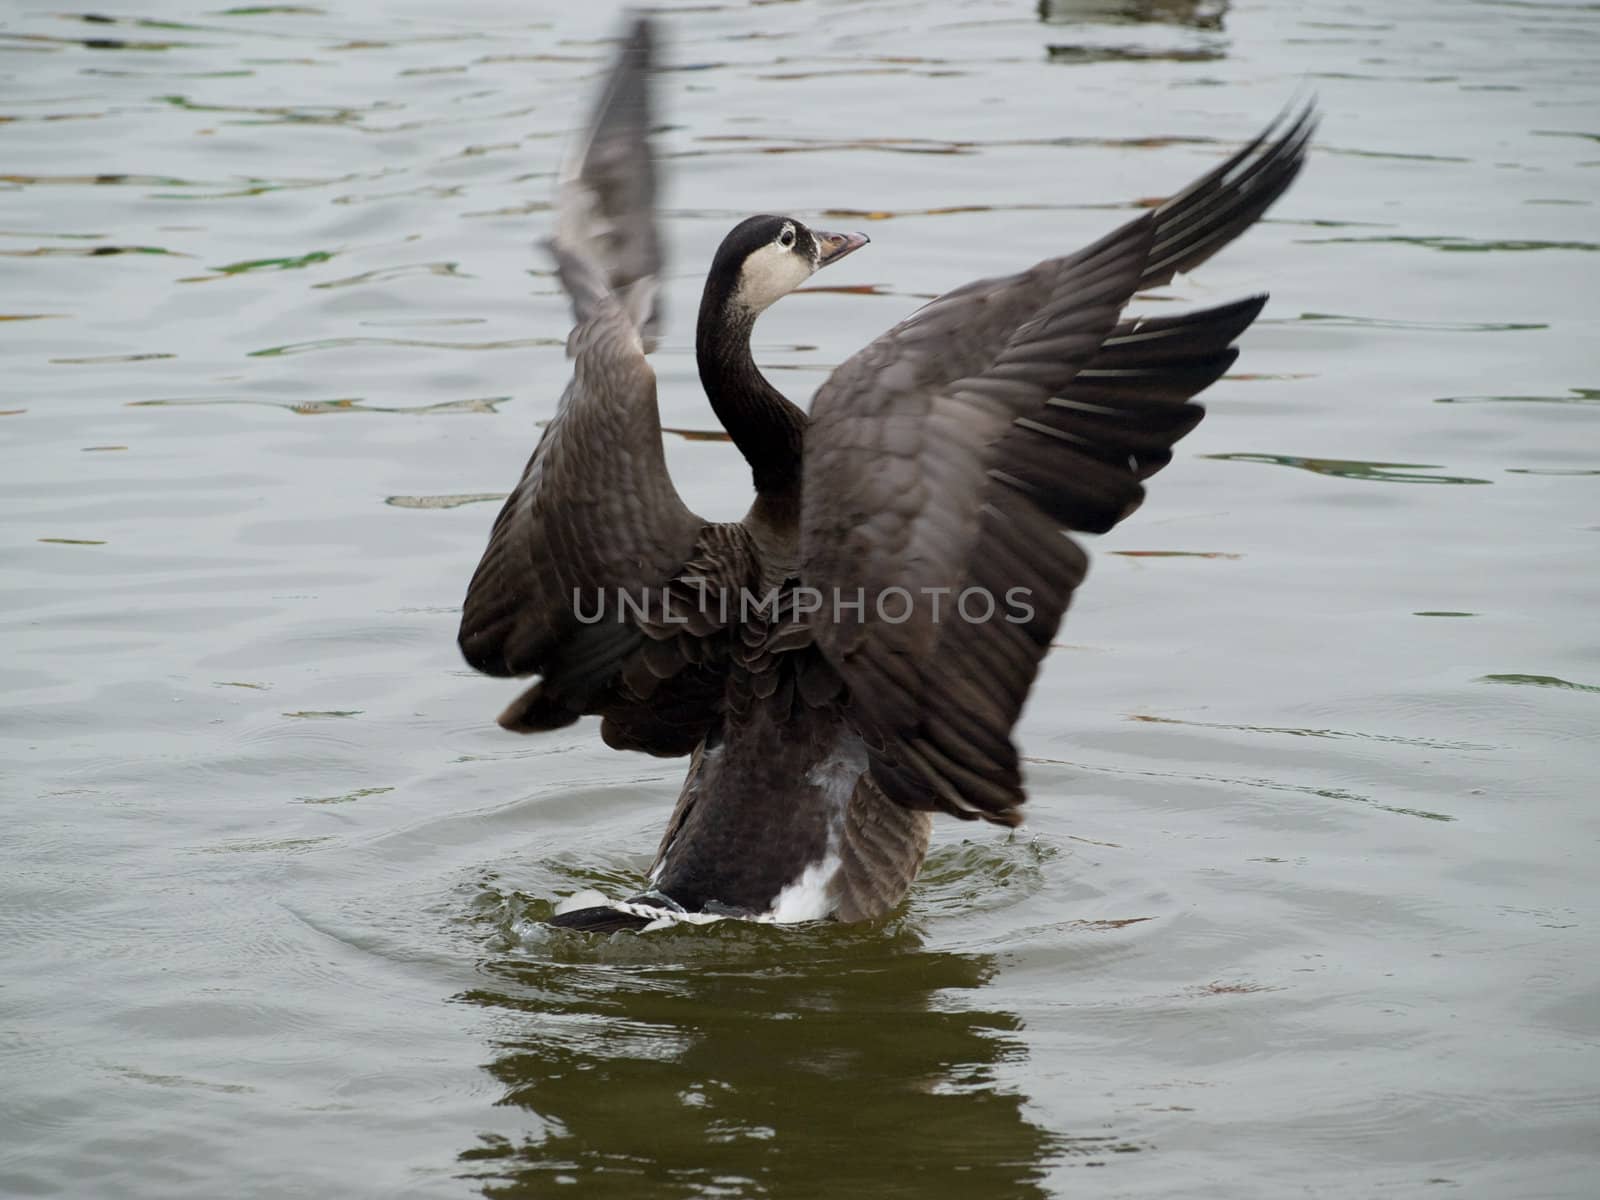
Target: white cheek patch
x=769 y=274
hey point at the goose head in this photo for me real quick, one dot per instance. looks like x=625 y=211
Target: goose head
x=760 y=261
x=765 y=258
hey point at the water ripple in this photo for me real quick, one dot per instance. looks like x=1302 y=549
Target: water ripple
x=317 y=408
x=1421 y=326
x=1469 y=245
x=455 y=501
x=344 y=343
x=1574 y=396
x=1541 y=681
x=1344 y=468
x=1337 y=734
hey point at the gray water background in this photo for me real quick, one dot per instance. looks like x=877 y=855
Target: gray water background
x=1305 y=903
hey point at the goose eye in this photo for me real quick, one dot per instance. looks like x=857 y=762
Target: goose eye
x=786 y=238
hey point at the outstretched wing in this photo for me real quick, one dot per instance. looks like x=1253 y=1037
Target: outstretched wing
x=595 y=518
x=606 y=195
x=949 y=455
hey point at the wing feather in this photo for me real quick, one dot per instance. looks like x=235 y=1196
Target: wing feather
x=946 y=458
x=595 y=515
x=606 y=194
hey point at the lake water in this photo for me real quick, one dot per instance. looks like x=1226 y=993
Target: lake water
x=1306 y=900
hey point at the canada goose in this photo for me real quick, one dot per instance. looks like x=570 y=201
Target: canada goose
x=800 y=656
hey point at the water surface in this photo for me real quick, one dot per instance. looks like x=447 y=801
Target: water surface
x=1305 y=901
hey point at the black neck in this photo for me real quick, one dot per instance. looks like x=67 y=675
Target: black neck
x=766 y=427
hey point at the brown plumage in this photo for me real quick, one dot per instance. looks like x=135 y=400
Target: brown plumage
x=947 y=455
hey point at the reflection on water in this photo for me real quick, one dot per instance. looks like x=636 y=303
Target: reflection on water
x=756 y=1061
x=1108 y=54
x=1178 y=31
x=1201 y=14
x=745 y=1060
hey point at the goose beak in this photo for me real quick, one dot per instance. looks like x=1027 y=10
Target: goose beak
x=835 y=246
